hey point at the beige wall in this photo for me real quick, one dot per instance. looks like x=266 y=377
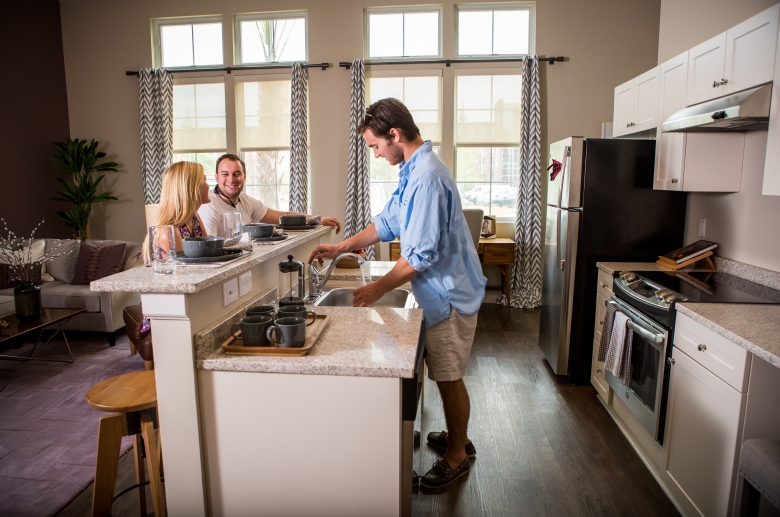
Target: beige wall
x=607 y=42
x=744 y=224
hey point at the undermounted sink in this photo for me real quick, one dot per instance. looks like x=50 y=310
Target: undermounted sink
x=342 y=297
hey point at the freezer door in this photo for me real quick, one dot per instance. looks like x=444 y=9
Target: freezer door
x=557 y=288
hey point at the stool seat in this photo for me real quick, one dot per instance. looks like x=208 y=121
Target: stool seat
x=759 y=463
x=124 y=393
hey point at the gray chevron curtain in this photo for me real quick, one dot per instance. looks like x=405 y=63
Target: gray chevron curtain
x=526 y=286
x=358 y=216
x=155 y=87
x=299 y=176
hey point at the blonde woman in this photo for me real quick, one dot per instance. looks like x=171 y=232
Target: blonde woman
x=184 y=190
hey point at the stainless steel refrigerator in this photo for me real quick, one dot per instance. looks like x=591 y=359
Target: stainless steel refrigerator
x=601 y=206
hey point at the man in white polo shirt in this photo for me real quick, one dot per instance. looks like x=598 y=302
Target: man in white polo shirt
x=228 y=197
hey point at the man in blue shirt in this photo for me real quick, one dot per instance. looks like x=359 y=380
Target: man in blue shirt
x=438 y=257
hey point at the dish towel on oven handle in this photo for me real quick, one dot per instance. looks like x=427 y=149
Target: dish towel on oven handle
x=606 y=332
x=618 y=360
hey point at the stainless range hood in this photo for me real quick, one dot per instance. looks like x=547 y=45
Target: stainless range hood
x=744 y=111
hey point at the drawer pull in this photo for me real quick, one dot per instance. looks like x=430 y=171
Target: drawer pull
x=702 y=348
x=601 y=322
x=604 y=285
x=598 y=370
x=670 y=360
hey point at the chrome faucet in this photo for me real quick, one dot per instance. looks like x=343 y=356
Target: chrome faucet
x=315 y=284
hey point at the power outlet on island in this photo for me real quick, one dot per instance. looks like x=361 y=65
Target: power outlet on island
x=245 y=283
x=230 y=291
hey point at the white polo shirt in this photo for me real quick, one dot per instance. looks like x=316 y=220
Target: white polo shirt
x=252 y=211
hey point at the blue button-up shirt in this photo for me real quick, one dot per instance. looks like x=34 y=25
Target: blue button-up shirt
x=425 y=212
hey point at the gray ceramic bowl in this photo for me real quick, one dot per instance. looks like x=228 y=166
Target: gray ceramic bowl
x=292 y=220
x=195 y=247
x=257 y=230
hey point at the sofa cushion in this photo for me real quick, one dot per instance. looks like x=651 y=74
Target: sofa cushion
x=132 y=250
x=96 y=262
x=59 y=295
x=63 y=267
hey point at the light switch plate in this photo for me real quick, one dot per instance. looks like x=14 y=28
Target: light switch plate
x=230 y=291
x=702 y=227
x=245 y=283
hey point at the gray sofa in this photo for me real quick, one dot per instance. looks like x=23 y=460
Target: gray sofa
x=103 y=310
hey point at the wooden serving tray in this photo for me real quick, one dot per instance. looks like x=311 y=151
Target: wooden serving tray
x=313 y=332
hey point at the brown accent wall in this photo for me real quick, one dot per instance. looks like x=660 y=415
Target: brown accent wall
x=34 y=114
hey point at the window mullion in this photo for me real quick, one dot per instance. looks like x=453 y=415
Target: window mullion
x=231 y=114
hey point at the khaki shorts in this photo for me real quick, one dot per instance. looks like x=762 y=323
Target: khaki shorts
x=449 y=346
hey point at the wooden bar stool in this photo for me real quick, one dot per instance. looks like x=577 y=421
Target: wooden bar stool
x=133 y=397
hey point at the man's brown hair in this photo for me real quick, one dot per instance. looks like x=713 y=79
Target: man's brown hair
x=386 y=114
x=232 y=158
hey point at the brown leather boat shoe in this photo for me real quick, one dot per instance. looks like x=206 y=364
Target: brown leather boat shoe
x=441 y=474
x=439 y=440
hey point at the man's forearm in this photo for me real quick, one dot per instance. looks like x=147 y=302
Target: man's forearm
x=364 y=239
x=401 y=273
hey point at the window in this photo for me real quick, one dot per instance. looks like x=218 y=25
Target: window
x=487 y=136
x=500 y=30
x=263 y=131
x=408 y=32
x=199 y=122
x=271 y=38
x=421 y=94
x=188 y=42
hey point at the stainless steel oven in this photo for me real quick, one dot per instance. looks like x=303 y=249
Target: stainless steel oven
x=644 y=394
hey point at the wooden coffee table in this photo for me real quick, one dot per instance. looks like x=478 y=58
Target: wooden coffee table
x=48 y=318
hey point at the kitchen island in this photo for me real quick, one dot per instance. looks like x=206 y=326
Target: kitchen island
x=325 y=434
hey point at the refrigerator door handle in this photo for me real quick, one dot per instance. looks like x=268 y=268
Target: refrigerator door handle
x=558 y=262
x=564 y=160
x=566 y=154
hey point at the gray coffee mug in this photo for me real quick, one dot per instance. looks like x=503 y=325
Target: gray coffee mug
x=253 y=330
x=297 y=311
x=289 y=332
x=262 y=310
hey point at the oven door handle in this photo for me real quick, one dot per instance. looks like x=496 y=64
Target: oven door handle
x=657 y=338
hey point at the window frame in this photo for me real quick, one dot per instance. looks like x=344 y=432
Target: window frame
x=459 y=71
x=206 y=78
x=402 y=10
x=515 y=6
x=158 y=23
x=275 y=15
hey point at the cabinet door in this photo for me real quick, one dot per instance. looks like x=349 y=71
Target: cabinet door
x=702 y=435
x=597 y=375
x=670 y=147
x=750 y=51
x=771 y=186
x=646 y=101
x=624 y=112
x=705 y=70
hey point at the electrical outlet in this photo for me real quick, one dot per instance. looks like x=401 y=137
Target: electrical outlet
x=230 y=291
x=702 y=227
x=245 y=283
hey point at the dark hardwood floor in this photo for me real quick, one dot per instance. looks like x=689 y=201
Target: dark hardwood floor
x=544 y=448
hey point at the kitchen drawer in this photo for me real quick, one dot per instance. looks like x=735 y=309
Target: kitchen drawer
x=601 y=310
x=605 y=284
x=728 y=361
x=498 y=253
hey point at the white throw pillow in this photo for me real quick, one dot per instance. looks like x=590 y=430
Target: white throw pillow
x=37 y=250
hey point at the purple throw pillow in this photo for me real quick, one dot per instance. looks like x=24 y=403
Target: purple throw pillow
x=96 y=262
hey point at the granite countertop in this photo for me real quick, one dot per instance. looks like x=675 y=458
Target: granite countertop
x=753 y=327
x=359 y=342
x=143 y=279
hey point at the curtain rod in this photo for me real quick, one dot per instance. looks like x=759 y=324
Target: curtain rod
x=229 y=69
x=448 y=62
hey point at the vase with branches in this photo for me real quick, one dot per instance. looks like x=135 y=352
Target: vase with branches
x=16 y=253
x=79 y=159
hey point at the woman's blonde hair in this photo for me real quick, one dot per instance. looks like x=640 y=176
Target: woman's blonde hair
x=180 y=194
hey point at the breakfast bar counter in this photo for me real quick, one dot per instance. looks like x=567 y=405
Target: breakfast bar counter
x=248 y=435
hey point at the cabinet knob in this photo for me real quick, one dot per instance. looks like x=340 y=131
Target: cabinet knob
x=670 y=360
x=598 y=370
x=675 y=180
x=604 y=285
x=601 y=322
x=715 y=84
x=724 y=81
x=702 y=347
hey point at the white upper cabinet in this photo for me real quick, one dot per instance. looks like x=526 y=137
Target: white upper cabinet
x=705 y=70
x=750 y=51
x=771 y=185
x=636 y=104
x=623 y=115
x=670 y=147
x=646 y=100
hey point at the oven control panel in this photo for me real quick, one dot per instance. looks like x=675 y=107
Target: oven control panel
x=647 y=291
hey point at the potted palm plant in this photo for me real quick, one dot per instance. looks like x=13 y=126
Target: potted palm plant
x=79 y=159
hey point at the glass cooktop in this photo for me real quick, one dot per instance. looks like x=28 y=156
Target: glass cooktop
x=712 y=287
